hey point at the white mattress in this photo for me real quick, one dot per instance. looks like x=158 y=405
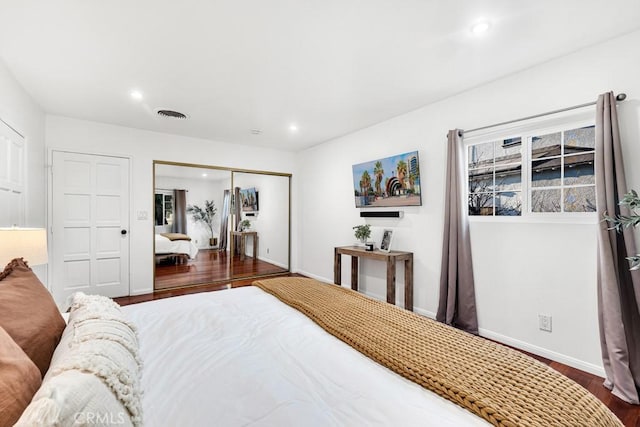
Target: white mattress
x=166 y=246
x=240 y=357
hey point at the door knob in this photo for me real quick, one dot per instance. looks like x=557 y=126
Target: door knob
x=123 y=232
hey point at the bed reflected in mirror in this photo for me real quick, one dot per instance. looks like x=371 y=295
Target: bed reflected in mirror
x=202 y=236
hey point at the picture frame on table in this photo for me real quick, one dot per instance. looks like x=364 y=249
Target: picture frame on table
x=387 y=238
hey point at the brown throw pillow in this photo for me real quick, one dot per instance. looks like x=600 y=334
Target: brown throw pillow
x=29 y=314
x=19 y=380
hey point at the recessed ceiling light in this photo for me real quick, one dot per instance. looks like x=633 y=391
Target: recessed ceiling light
x=256 y=131
x=480 y=27
x=204 y=175
x=136 y=94
x=293 y=127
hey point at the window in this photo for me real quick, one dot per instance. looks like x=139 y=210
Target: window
x=163 y=208
x=537 y=172
x=562 y=174
x=495 y=178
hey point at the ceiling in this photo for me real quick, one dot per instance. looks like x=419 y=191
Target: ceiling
x=330 y=67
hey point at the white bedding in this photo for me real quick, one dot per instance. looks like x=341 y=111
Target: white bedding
x=166 y=246
x=240 y=357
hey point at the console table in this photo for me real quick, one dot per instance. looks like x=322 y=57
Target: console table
x=243 y=242
x=390 y=258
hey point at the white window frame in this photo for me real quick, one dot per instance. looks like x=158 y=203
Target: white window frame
x=164 y=207
x=527 y=131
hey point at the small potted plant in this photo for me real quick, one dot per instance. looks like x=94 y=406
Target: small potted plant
x=245 y=224
x=363 y=232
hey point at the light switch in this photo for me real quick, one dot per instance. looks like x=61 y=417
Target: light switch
x=143 y=215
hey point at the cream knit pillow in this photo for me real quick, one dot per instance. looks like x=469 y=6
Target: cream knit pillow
x=94 y=377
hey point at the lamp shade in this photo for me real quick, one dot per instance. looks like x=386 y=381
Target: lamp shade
x=27 y=243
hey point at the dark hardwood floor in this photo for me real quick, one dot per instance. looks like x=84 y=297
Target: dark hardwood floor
x=208 y=287
x=209 y=266
x=629 y=414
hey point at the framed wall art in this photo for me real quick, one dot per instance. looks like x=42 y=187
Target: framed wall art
x=389 y=182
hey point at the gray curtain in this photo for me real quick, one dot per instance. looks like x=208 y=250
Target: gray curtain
x=237 y=215
x=224 y=220
x=618 y=288
x=457 y=304
x=179 y=212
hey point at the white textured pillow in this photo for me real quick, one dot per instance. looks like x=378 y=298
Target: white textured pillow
x=94 y=377
x=74 y=398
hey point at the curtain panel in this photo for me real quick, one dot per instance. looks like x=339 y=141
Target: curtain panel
x=237 y=217
x=179 y=212
x=457 y=302
x=618 y=287
x=224 y=220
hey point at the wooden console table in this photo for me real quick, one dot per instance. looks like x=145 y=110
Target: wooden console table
x=243 y=242
x=390 y=258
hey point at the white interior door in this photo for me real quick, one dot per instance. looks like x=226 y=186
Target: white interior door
x=90 y=224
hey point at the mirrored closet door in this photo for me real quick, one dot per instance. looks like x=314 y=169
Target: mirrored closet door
x=202 y=235
x=261 y=235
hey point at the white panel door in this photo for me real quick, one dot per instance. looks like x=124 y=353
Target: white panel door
x=12 y=186
x=90 y=224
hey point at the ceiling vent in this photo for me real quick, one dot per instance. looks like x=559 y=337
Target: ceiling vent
x=172 y=114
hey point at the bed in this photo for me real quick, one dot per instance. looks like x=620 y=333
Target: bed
x=175 y=246
x=260 y=362
x=289 y=352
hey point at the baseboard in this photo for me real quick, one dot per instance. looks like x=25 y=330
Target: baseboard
x=430 y=314
x=141 y=292
x=270 y=261
x=314 y=276
x=540 y=351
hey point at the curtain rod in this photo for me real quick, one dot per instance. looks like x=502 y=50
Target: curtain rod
x=619 y=97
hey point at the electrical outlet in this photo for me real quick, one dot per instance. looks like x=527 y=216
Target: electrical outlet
x=544 y=322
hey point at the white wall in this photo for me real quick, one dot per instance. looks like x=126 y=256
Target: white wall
x=21 y=112
x=521 y=268
x=143 y=147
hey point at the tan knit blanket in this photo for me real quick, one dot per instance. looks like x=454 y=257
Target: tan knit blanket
x=501 y=385
x=176 y=236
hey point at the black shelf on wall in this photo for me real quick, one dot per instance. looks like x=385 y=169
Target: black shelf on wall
x=381 y=214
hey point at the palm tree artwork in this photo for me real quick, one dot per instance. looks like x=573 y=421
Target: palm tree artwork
x=388 y=182
x=378 y=172
x=365 y=183
x=401 y=168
